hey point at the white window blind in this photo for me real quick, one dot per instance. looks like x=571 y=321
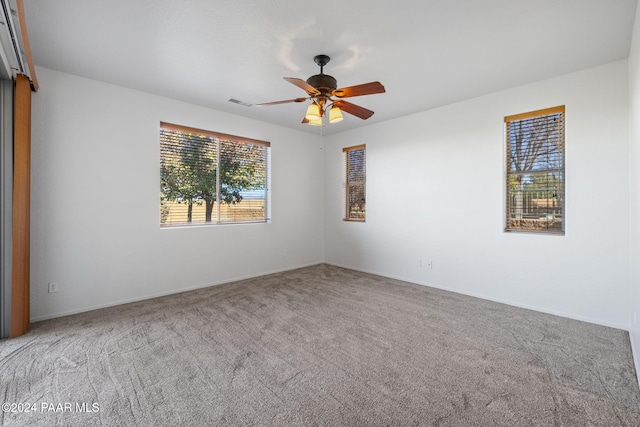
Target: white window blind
x=535 y=164
x=355 y=166
x=211 y=178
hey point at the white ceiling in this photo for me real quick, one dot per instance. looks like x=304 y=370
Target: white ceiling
x=427 y=53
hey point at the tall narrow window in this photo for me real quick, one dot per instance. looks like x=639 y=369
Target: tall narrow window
x=355 y=183
x=211 y=178
x=535 y=171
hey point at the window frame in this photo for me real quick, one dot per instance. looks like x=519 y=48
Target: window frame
x=219 y=137
x=347 y=186
x=561 y=171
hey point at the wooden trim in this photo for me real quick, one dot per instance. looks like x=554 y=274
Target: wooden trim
x=224 y=136
x=20 y=263
x=27 y=46
x=537 y=113
x=355 y=147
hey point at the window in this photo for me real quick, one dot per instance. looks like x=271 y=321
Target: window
x=355 y=179
x=535 y=171
x=211 y=178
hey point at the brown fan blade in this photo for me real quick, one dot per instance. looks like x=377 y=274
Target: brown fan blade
x=354 y=109
x=303 y=85
x=280 y=102
x=359 y=90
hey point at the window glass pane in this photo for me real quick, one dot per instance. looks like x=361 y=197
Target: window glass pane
x=355 y=183
x=536 y=202
x=356 y=165
x=356 y=202
x=535 y=171
x=535 y=144
x=190 y=167
x=243 y=186
x=187 y=177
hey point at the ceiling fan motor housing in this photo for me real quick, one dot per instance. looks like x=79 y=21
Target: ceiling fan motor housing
x=323 y=82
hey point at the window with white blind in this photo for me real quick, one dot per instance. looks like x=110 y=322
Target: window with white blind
x=535 y=151
x=355 y=167
x=211 y=178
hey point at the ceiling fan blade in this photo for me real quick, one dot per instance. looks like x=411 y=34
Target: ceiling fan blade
x=353 y=109
x=359 y=90
x=264 y=104
x=303 y=85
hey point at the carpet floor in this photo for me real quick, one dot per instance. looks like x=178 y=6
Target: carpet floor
x=318 y=346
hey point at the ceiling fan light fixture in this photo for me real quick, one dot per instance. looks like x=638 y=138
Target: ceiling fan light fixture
x=313 y=113
x=335 y=115
x=321 y=90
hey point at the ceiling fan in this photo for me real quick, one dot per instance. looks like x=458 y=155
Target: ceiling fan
x=322 y=89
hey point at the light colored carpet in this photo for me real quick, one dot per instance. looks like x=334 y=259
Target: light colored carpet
x=319 y=346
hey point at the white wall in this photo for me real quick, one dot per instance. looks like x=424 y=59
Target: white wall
x=95 y=213
x=95 y=200
x=435 y=192
x=634 y=188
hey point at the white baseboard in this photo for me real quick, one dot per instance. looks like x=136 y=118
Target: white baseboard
x=162 y=294
x=635 y=346
x=490 y=298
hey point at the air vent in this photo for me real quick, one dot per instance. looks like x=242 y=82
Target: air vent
x=237 y=101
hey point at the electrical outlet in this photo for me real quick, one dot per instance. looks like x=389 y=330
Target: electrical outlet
x=419 y=263
x=429 y=264
x=53 y=287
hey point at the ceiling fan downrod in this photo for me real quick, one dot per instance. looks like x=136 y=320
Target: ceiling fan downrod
x=321 y=60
